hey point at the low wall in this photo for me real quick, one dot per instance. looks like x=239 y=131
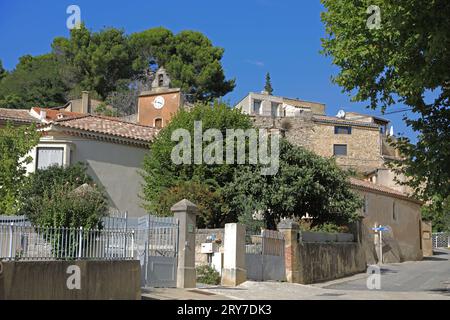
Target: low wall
x=327 y=261
x=47 y=280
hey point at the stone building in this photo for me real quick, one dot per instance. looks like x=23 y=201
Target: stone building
x=157 y=106
x=356 y=141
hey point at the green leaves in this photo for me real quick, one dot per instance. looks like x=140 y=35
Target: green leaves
x=15 y=143
x=406 y=61
x=305 y=184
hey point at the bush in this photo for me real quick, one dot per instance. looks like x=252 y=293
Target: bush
x=65 y=197
x=330 y=228
x=207 y=275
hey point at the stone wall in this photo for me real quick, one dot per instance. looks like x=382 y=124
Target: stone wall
x=363 y=144
x=47 y=280
x=327 y=261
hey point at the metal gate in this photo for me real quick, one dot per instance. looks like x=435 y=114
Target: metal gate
x=441 y=240
x=157 y=249
x=265 y=256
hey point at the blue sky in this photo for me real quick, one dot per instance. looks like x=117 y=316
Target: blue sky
x=277 y=36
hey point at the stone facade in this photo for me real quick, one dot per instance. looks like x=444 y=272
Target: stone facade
x=363 y=144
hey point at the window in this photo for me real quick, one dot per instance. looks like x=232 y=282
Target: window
x=340 y=149
x=274 y=109
x=256 y=107
x=47 y=157
x=366 y=205
x=342 y=130
x=158 y=123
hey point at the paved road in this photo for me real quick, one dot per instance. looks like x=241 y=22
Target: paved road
x=430 y=275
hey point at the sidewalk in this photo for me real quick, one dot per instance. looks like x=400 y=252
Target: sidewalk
x=251 y=290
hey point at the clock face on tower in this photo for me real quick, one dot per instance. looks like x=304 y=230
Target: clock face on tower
x=159 y=102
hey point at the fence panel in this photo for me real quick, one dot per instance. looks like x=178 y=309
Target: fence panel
x=265 y=258
x=441 y=240
x=18 y=242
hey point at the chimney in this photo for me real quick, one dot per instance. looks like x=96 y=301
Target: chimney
x=85 y=105
x=42 y=115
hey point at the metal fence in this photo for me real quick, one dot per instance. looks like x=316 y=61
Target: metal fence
x=441 y=240
x=21 y=242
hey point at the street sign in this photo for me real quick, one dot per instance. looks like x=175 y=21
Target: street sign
x=381 y=228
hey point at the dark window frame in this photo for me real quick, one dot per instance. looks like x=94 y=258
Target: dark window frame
x=340 y=154
x=342 y=130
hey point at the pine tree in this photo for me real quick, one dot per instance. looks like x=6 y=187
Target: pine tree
x=268 y=87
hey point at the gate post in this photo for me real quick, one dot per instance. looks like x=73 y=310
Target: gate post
x=290 y=230
x=234 y=266
x=185 y=211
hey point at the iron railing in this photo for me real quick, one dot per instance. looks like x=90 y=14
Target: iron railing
x=19 y=242
x=441 y=240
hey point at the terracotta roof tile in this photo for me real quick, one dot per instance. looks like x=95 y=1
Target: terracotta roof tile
x=18 y=115
x=337 y=120
x=109 y=126
x=379 y=188
x=52 y=114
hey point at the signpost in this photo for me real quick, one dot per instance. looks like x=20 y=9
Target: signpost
x=380 y=229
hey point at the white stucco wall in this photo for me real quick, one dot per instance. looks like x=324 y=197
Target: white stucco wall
x=114 y=166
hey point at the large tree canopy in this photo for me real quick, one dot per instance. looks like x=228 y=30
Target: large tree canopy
x=190 y=58
x=305 y=183
x=114 y=66
x=406 y=60
x=35 y=81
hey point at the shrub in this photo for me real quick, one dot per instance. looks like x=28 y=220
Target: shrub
x=207 y=275
x=65 y=197
x=330 y=228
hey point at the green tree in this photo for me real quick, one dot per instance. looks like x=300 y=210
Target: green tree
x=3 y=72
x=94 y=61
x=213 y=210
x=438 y=212
x=406 y=60
x=191 y=60
x=160 y=173
x=268 y=86
x=15 y=143
x=34 y=82
x=305 y=184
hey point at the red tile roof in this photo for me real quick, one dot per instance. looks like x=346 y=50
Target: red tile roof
x=17 y=115
x=108 y=126
x=361 y=184
x=52 y=114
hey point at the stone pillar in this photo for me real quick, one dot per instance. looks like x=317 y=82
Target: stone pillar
x=234 y=268
x=185 y=211
x=290 y=230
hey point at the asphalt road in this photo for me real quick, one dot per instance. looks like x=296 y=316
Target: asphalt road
x=431 y=275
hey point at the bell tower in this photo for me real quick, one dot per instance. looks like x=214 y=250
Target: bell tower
x=157 y=106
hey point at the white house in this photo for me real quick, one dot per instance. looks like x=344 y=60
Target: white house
x=113 y=150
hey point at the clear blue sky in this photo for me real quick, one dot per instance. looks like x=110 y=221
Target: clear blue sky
x=277 y=36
